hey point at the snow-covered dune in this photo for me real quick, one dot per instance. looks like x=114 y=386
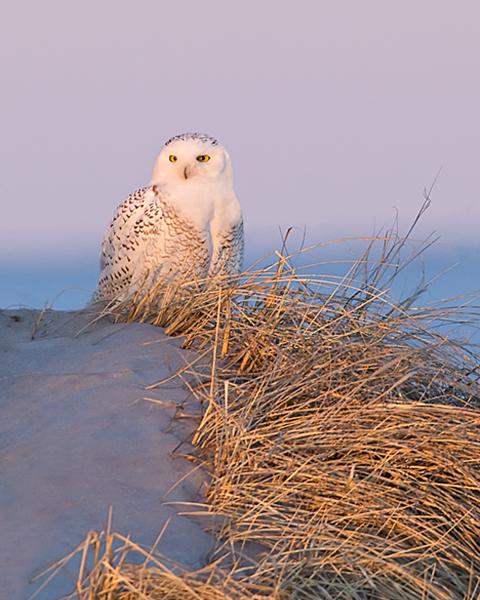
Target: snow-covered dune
x=77 y=435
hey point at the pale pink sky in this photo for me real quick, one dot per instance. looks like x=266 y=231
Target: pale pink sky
x=334 y=112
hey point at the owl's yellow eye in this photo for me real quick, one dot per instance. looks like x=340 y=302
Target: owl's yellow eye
x=203 y=158
x=172 y=158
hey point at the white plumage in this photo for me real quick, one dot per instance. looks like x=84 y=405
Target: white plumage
x=186 y=224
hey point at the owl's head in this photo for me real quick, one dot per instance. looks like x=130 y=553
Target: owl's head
x=192 y=157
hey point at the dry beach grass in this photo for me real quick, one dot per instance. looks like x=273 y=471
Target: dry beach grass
x=342 y=435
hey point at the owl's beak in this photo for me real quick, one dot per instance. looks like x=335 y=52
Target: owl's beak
x=186 y=172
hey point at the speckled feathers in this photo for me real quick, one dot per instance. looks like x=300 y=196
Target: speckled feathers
x=187 y=224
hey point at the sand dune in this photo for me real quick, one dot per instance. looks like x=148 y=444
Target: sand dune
x=77 y=436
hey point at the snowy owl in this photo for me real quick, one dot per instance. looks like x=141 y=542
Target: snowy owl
x=186 y=224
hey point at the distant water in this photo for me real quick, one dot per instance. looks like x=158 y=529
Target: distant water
x=70 y=286
x=58 y=285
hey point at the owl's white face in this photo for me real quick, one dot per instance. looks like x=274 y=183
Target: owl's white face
x=192 y=158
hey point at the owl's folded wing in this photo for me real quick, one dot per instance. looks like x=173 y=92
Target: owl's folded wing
x=126 y=241
x=228 y=254
x=124 y=218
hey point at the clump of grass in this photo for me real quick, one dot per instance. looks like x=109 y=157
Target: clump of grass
x=341 y=432
x=113 y=567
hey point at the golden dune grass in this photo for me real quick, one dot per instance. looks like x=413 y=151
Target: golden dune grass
x=342 y=434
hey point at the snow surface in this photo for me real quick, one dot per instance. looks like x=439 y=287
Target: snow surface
x=76 y=436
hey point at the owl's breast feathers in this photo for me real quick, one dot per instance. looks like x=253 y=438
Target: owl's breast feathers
x=150 y=239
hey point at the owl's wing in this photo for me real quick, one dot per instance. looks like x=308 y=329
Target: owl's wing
x=228 y=255
x=126 y=242
x=125 y=216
